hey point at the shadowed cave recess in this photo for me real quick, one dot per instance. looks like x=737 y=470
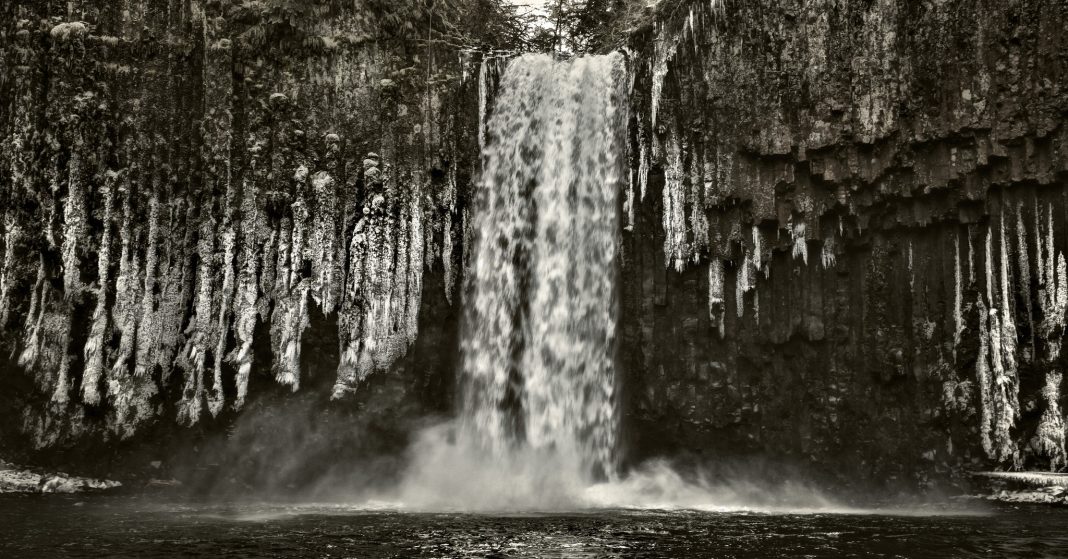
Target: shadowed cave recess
x=237 y=236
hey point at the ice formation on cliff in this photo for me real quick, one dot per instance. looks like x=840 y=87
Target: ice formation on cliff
x=675 y=221
x=828 y=257
x=800 y=245
x=175 y=261
x=663 y=52
x=1049 y=438
x=996 y=366
x=715 y=294
x=744 y=282
x=958 y=295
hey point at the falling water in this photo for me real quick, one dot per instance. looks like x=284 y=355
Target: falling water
x=539 y=336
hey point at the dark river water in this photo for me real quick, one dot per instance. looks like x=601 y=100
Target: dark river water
x=120 y=526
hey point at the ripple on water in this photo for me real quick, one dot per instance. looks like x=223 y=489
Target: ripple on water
x=132 y=527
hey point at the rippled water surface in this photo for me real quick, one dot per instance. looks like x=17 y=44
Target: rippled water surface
x=112 y=526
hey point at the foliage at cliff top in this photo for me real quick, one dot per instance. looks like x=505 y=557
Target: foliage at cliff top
x=456 y=23
x=583 y=26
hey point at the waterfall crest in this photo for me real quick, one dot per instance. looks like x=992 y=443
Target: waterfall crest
x=538 y=368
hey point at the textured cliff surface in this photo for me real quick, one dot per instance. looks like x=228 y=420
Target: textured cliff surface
x=848 y=232
x=844 y=243
x=189 y=186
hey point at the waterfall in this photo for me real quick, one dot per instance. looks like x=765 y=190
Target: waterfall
x=538 y=368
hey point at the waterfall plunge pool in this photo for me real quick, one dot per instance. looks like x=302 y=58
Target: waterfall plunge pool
x=132 y=526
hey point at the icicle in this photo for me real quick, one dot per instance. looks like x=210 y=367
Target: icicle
x=289 y=318
x=715 y=294
x=350 y=318
x=177 y=284
x=483 y=100
x=325 y=271
x=1010 y=383
x=34 y=321
x=12 y=237
x=61 y=339
x=94 y=346
x=1061 y=301
x=195 y=353
x=698 y=219
x=1051 y=260
x=74 y=223
x=149 y=328
x=287 y=327
x=1054 y=302
x=416 y=252
x=982 y=374
x=971 y=257
x=715 y=285
x=663 y=52
x=446 y=256
x=676 y=250
x=127 y=294
x=643 y=167
x=216 y=398
x=430 y=245
x=1025 y=275
x=828 y=258
x=742 y=285
x=396 y=319
x=465 y=224
x=55 y=338
x=1040 y=266
x=998 y=346
x=1050 y=434
x=396 y=331
x=758 y=241
x=245 y=301
x=301 y=219
x=800 y=246
x=958 y=318
x=628 y=207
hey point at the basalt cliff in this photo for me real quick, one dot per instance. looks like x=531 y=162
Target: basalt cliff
x=842 y=242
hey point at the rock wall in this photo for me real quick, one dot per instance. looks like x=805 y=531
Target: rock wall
x=184 y=180
x=846 y=224
x=847 y=234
